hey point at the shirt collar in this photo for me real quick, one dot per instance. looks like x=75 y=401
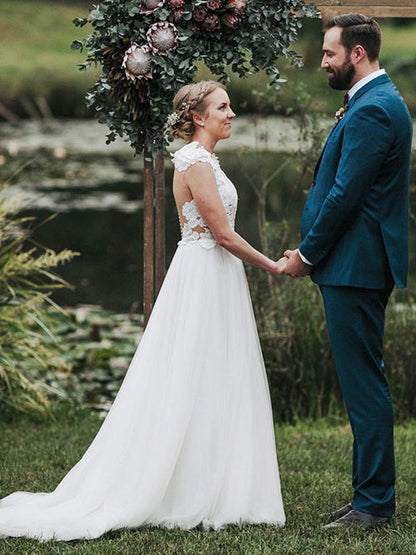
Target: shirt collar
x=364 y=81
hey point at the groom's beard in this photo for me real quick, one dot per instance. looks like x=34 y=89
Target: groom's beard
x=341 y=78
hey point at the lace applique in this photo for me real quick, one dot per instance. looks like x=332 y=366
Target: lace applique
x=190 y=154
x=195 y=230
x=194 y=220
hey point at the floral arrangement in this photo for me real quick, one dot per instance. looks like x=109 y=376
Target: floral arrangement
x=148 y=49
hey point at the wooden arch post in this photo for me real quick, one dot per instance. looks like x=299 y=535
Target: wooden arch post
x=153 y=230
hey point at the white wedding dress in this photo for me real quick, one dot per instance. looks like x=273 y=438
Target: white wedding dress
x=189 y=438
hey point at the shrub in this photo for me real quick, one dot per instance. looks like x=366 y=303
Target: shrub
x=26 y=280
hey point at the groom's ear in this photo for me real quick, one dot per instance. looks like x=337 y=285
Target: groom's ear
x=358 y=53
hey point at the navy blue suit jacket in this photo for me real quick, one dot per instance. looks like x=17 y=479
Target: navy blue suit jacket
x=355 y=220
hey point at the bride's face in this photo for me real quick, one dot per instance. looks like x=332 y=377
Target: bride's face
x=218 y=114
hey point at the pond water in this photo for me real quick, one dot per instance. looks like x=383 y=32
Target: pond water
x=97 y=199
x=99 y=212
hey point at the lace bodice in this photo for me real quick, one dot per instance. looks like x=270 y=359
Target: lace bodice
x=182 y=159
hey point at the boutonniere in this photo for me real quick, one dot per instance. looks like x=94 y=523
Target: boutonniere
x=340 y=113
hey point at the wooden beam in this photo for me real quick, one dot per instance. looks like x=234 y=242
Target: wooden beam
x=377 y=8
x=148 y=238
x=160 y=264
x=369 y=4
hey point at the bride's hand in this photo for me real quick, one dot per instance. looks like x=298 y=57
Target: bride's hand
x=280 y=266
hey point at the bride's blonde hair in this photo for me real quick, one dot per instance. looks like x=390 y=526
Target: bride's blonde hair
x=189 y=100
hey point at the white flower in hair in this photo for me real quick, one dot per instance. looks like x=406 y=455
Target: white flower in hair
x=171 y=120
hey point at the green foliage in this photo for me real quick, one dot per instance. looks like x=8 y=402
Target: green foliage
x=139 y=108
x=98 y=346
x=399 y=354
x=27 y=342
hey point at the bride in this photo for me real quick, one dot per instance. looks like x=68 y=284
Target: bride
x=189 y=439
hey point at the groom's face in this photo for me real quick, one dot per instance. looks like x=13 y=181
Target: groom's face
x=336 y=61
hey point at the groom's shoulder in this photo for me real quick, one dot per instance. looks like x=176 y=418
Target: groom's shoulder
x=389 y=98
x=380 y=94
x=384 y=97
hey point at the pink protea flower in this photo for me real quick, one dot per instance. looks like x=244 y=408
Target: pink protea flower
x=162 y=37
x=199 y=13
x=149 y=6
x=231 y=20
x=137 y=62
x=211 y=22
x=176 y=4
x=214 y=4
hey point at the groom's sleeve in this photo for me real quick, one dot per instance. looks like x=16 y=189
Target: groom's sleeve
x=366 y=143
x=304 y=259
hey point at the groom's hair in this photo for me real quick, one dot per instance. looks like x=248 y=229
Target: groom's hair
x=358 y=29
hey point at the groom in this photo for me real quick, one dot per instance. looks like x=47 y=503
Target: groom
x=355 y=245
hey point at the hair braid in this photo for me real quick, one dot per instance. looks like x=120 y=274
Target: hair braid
x=188 y=101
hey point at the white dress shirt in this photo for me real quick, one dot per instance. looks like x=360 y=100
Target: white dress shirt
x=364 y=81
x=354 y=89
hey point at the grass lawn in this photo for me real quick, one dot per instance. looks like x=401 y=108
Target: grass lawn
x=36 y=57
x=314 y=463
x=36 y=43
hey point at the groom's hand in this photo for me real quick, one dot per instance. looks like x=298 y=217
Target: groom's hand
x=295 y=266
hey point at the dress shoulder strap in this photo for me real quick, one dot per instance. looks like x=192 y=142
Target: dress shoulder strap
x=190 y=154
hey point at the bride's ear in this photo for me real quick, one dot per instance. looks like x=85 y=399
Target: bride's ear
x=197 y=120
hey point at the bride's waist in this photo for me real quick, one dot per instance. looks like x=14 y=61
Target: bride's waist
x=204 y=242
x=192 y=236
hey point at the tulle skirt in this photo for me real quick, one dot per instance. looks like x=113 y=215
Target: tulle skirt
x=189 y=439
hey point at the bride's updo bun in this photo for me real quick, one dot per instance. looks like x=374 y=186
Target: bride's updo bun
x=189 y=100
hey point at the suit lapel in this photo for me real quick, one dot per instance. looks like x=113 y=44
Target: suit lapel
x=323 y=150
x=318 y=163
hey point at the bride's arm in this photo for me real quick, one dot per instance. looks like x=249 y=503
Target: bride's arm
x=201 y=182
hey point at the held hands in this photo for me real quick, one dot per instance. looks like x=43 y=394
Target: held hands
x=292 y=265
x=280 y=267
